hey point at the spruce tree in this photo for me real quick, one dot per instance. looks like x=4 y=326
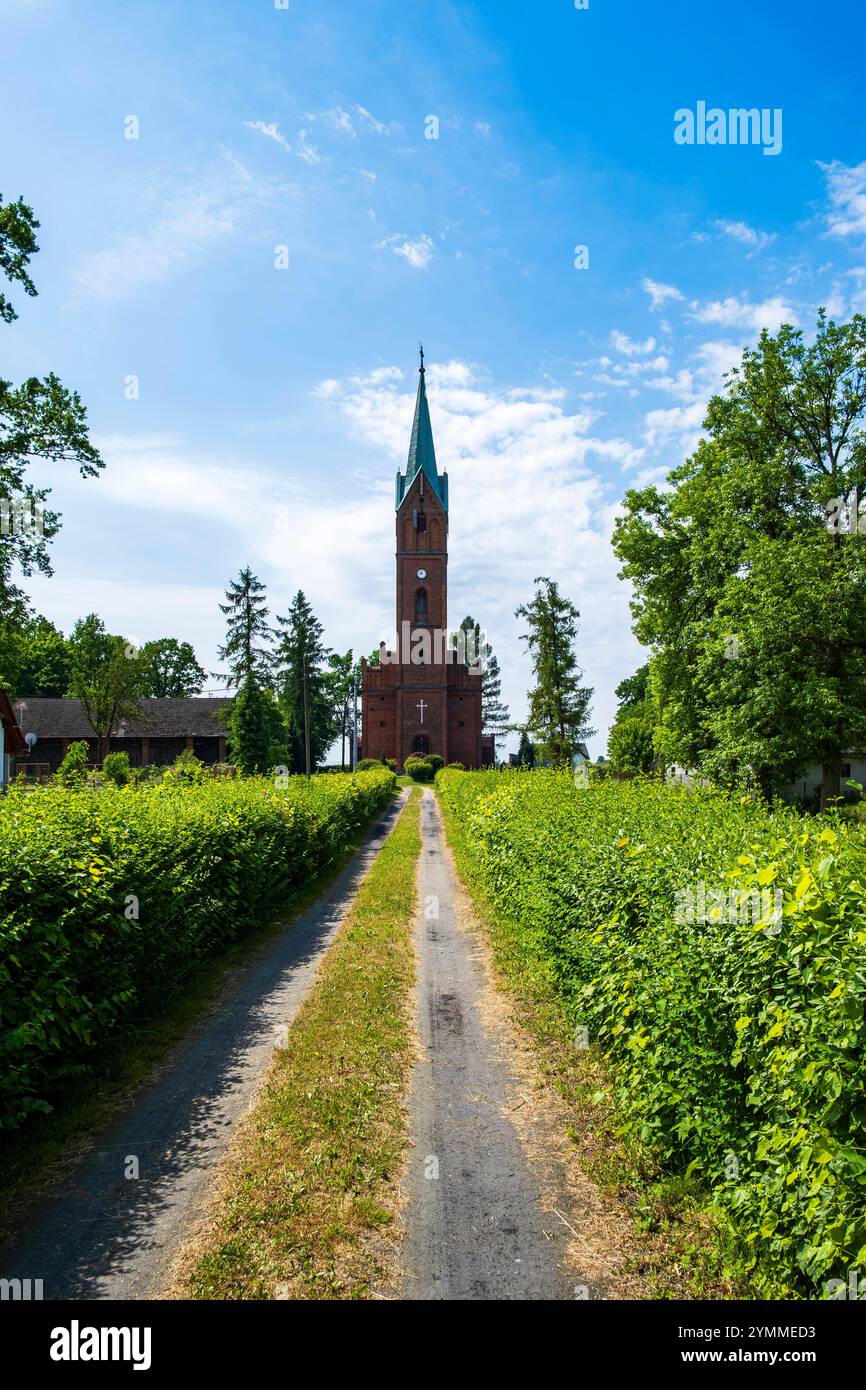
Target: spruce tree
x=301 y=643
x=247 y=631
x=558 y=703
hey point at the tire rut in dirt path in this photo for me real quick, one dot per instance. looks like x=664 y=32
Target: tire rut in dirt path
x=102 y=1235
x=478 y=1225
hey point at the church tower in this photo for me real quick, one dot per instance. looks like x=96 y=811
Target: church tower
x=423 y=697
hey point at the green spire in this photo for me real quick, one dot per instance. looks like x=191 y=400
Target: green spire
x=422 y=455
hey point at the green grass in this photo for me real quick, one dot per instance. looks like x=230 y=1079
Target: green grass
x=312 y=1176
x=684 y=1247
x=33 y=1160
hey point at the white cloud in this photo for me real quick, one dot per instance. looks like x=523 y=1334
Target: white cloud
x=271 y=130
x=846 y=185
x=327 y=390
x=681 y=423
x=626 y=345
x=748 y=236
x=191 y=224
x=419 y=253
x=740 y=313
x=659 y=293
x=340 y=120
x=306 y=151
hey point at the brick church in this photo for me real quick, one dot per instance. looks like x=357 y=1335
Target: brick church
x=424 y=697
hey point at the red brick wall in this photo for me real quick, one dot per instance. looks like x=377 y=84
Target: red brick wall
x=390 y=694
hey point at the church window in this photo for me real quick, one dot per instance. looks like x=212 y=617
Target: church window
x=421 y=744
x=422 y=522
x=460 y=723
x=420 y=605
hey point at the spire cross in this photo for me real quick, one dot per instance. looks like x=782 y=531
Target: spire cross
x=421 y=350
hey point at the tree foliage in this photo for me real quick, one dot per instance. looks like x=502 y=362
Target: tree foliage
x=246 y=650
x=106 y=676
x=558 y=703
x=301 y=646
x=39 y=420
x=257 y=736
x=170 y=669
x=751 y=604
x=494 y=714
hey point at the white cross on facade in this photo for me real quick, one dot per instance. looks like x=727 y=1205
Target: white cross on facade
x=421 y=708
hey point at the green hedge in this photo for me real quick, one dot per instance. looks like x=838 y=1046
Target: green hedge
x=107 y=895
x=735 y=1047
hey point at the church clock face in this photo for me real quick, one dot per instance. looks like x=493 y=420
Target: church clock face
x=422 y=574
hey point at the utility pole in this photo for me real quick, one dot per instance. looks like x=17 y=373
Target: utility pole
x=306 y=715
x=355 y=721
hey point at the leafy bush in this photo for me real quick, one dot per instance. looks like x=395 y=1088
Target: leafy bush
x=435 y=760
x=104 y=898
x=368 y=765
x=419 y=769
x=72 y=771
x=735 y=1047
x=116 y=769
x=186 y=768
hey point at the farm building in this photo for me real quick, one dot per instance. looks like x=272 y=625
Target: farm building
x=167 y=728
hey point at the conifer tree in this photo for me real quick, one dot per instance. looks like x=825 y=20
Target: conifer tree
x=558 y=703
x=247 y=631
x=300 y=644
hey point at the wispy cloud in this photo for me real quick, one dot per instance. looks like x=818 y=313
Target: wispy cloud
x=418 y=253
x=271 y=130
x=352 y=121
x=732 y=312
x=746 y=235
x=846 y=185
x=191 y=224
x=660 y=293
x=626 y=345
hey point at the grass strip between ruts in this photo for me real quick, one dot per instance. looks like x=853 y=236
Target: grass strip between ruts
x=315 y=1167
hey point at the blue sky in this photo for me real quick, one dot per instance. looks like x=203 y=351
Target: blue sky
x=275 y=404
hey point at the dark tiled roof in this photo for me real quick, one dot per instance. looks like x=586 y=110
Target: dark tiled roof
x=195 y=717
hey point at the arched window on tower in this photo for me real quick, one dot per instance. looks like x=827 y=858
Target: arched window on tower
x=420 y=605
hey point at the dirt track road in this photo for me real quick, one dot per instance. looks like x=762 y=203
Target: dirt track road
x=478 y=1225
